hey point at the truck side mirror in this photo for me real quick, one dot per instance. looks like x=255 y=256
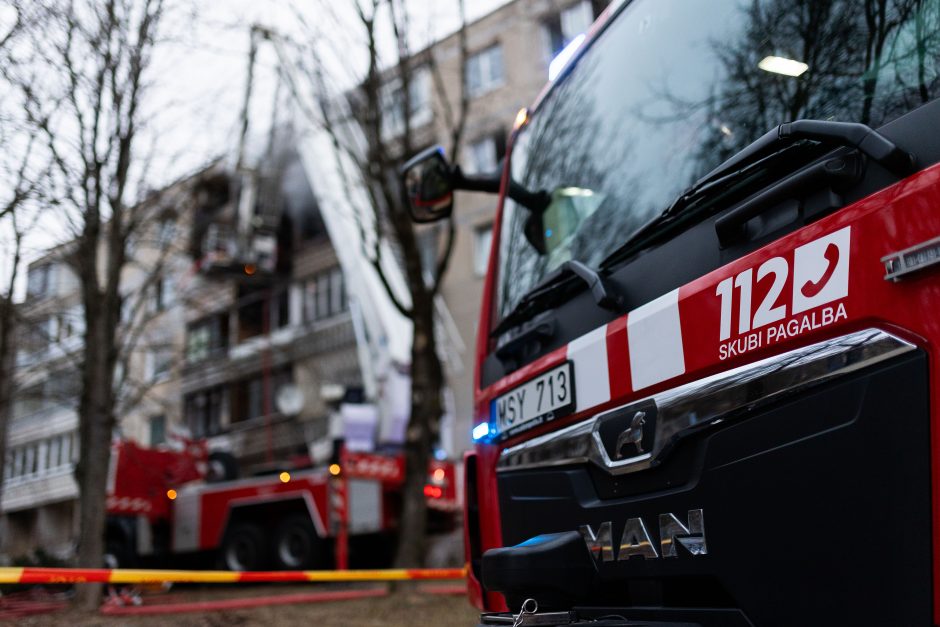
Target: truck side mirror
x=429 y=185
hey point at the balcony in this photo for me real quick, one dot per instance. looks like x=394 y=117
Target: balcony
x=248 y=440
x=286 y=345
x=38 y=489
x=49 y=421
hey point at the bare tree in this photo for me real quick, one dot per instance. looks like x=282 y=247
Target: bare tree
x=18 y=216
x=381 y=110
x=82 y=76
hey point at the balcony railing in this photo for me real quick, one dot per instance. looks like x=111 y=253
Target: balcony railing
x=286 y=345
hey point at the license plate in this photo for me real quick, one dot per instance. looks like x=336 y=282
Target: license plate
x=544 y=398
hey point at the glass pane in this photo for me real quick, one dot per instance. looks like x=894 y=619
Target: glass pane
x=336 y=291
x=671 y=89
x=323 y=296
x=157 y=430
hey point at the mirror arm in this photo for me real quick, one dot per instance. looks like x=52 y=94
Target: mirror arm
x=536 y=202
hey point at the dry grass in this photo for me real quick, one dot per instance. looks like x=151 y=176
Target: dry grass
x=400 y=609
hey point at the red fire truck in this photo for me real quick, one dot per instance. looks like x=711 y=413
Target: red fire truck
x=707 y=388
x=166 y=505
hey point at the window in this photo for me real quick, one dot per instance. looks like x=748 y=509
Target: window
x=71 y=323
x=324 y=295
x=39 y=280
x=250 y=320
x=60 y=389
x=29 y=467
x=207 y=338
x=55 y=452
x=63 y=386
x=157 y=430
x=42 y=457
x=28 y=401
x=483 y=155
x=165 y=232
x=127 y=309
x=158 y=363
x=40 y=334
x=203 y=412
x=485 y=71
x=19 y=455
x=282 y=303
x=482 y=240
x=393 y=102
x=161 y=294
x=337 y=293
x=559 y=29
x=197 y=342
x=68 y=454
x=247 y=397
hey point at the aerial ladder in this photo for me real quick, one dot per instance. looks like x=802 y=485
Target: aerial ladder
x=327 y=148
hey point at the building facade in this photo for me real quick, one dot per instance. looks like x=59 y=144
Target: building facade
x=39 y=506
x=270 y=341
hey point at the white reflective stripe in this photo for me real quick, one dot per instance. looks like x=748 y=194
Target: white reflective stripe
x=126 y=502
x=187 y=514
x=655 y=341
x=588 y=355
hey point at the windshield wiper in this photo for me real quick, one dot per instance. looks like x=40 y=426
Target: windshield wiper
x=772 y=149
x=707 y=188
x=550 y=291
x=865 y=139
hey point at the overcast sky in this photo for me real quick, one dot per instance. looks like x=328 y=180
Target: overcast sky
x=203 y=76
x=198 y=76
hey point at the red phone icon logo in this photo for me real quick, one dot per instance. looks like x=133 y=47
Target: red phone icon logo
x=812 y=288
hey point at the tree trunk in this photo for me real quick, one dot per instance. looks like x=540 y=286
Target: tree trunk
x=7 y=355
x=423 y=429
x=6 y=381
x=96 y=422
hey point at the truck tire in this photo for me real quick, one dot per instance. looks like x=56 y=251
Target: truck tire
x=243 y=547
x=296 y=544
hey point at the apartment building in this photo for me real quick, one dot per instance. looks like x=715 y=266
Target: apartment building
x=242 y=336
x=39 y=507
x=270 y=341
x=509 y=53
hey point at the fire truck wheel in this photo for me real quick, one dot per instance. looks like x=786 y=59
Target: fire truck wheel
x=243 y=547
x=296 y=543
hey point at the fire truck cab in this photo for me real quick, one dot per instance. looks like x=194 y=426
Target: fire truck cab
x=706 y=386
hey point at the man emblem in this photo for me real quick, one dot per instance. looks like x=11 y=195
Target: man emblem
x=632 y=435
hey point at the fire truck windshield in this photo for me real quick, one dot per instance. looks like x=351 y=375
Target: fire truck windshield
x=670 y=89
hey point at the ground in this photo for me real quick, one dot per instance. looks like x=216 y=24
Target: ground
x=399 y=609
